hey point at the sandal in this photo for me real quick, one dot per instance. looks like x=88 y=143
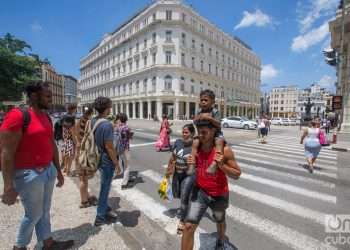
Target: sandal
x=85 y=204
x=93 y=200
x=180 y=228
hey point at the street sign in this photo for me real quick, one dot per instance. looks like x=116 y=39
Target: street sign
x=337 y=102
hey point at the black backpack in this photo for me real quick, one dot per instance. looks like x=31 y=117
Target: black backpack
x=26 y=121
x=58 y=132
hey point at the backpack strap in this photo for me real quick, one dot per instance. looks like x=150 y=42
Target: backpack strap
x=26 y=118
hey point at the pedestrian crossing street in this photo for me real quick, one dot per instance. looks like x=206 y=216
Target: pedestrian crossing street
x=276 y=204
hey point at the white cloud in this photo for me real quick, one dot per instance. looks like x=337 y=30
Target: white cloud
x=310 y=12
x=257 y=18
x=327 y=82
x=268 y=72
x=36 y=27
x=314 y=36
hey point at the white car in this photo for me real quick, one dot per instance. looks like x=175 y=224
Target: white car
x=276 y=121
x=238 y=122
x=285 y=121
x=292 y=121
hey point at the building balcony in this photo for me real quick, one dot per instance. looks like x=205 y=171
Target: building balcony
x=168 y=92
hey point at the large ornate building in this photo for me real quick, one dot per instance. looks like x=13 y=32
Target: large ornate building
x=159 y=60
x=56 y=85
x=340 y=42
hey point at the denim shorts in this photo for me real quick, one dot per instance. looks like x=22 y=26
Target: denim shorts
x=200 y=201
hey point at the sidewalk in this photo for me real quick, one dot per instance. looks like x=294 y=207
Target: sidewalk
x=343 y=142
x=68 y=222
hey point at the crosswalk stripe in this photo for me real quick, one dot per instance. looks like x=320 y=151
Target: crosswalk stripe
x=268 y=200
x=291 y=154
x=278 y=232
x=284 y=160
x=283 y=147
x=288 y=175
x=290 y=188
x=240 y=157
x=325 y=150
x=146 y=144
x=155 y=211
x=284 y=150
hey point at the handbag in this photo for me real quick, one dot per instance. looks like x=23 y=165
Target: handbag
x=322 y=138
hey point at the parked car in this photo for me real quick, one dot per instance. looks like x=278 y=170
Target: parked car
x=276 y=121
x=285 y=121
x=238 y=122
x=292 y=121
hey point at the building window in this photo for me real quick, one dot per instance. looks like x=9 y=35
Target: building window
x=192 y=89
x=154 y=84
x=130 y=51
x=154 y=38
x=137 y=47
x=130 y=66
x=216 y=71
x=154 y=17
x=202 y=66
x=137 y=64
x=145 y=43
x=124 y=54
x=168 y=35
x=202 y=48
x=168 y=82
x=168 y=57
x=183 y=17
x=168 y=15
x=145 y=85
x=210 y=52
x=193 y=63
x=209 y=68
x=193 y=44
x=183 y=39
x=183 y=60
x=145 y=61
x=154 y=58
x=217 y=55
x=182 y=84
x=137 y=87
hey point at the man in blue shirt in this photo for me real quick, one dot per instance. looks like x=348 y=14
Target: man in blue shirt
x=108 y=159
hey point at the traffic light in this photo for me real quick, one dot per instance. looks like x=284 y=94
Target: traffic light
x=330 y=57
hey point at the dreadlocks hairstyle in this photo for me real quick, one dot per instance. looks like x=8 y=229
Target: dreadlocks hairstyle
x=35 y=87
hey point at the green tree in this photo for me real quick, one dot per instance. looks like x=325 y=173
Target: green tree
x=17 y=67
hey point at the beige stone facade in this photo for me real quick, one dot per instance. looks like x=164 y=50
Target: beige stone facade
x=343 y=73
x=55 y=83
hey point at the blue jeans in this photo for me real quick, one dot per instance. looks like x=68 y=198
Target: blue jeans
x=106 y=173
x=35 y=190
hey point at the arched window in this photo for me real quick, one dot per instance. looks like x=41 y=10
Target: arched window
x=154 y=84
x=168 y=82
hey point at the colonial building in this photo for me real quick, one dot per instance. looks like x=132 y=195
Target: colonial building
x=160 y=59
x=55 y=84
x=340 y=42
x=283 y=101
x=70 y=89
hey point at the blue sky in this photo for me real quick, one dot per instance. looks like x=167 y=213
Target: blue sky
x=288 y=35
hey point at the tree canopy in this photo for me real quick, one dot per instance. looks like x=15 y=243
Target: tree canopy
x=17 y=67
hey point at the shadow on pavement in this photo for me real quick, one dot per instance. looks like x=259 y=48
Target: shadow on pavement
x=126 y=218
x=79 y=234
x=203 y=238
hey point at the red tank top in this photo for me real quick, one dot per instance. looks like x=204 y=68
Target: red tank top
x=211 y=184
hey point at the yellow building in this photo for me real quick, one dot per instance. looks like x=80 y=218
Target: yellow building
x=55 y=81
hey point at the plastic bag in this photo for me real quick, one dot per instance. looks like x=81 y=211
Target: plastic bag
x=165 y=191
x=163 y=187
